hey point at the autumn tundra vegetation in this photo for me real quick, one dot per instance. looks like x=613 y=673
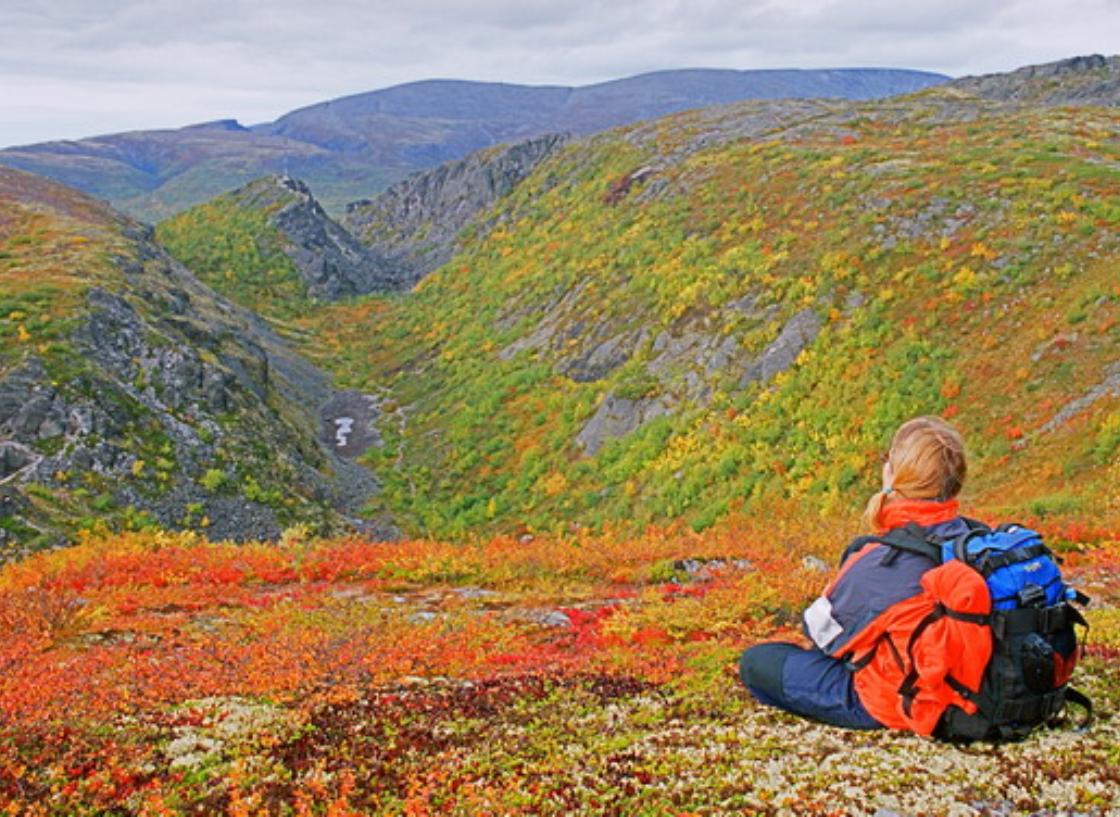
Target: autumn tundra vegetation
x=621 y=435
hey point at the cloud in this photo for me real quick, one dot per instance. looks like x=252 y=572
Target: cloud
x=73 y=67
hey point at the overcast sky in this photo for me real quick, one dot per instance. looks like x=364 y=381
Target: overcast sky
x=71 y=68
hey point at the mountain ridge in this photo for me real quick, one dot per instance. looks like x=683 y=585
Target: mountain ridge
x=153 y=174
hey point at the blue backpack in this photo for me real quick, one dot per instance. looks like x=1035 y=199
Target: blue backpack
x=1019 y=569
x=1035 y=645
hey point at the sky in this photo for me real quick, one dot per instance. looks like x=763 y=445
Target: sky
x=73 y=68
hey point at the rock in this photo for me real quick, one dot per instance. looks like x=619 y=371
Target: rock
x=1084 y=80
x=554 y=618
x=798 y=333
x=473 y=592
x=12 y=502
x=617 y=417
x=414 y=224
x=705 y=569
x=815 y=564
x=18 y=386
x=15 y=457
x=601 y=359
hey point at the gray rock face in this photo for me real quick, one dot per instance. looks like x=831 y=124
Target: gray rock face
x=1085 y=80
x=798 y=333
x=331 y=262
x=687 y=361
x=617 y=417
x=163 y=382
x=14 y=458
x=582 y=351
x=414 y=224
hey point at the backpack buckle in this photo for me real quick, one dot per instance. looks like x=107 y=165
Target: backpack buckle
x=1031 y=596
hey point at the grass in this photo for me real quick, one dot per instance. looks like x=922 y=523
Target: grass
x=160 y=674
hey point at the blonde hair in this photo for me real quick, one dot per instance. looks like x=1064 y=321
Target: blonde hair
x=927 y=462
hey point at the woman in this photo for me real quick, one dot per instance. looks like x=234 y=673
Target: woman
x=871 y=605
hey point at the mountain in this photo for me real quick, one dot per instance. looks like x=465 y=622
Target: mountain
x=1088 y=80
x=415 y=224
x=699 y=314
x=132 y=395
x=271 y=247
x=352 y=147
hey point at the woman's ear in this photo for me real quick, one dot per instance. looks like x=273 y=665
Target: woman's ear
x=888 y=475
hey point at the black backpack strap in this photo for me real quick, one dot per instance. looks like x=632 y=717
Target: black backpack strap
x=911 y=538
x=856 y=546
x=960 y=544
x=975 y=524
x=1082 y=700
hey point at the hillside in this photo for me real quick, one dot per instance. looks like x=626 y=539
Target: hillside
x=131 y=395
x=161 y=675
x=692 y=316
x=352 y=147
x=269 y=246
x=415 y=224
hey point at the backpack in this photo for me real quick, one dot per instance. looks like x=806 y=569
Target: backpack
x=967 y=637
x=1033 y=622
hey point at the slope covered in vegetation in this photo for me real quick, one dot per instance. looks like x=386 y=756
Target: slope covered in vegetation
x=697 y=314
x=131 y=395
x=158 y=675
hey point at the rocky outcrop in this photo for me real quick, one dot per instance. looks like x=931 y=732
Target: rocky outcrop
x=168 y=403
x=616 y=417
x=798 y=332
x=414 y=224
x=331 y=262
x=1085 y=80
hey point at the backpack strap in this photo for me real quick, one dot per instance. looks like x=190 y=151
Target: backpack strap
x=1043 y=620
x=911 y=538
x=1082 y=700
x=975 y=524
x=909 y=687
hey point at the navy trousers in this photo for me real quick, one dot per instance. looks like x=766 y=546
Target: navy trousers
x=804 y=682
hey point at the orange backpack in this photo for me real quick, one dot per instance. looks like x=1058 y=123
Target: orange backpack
x=929 y=652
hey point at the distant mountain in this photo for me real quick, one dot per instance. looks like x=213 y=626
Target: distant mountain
x=355 y=146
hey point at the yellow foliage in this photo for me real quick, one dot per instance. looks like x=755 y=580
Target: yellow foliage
x=965 y=278
x=555 y=484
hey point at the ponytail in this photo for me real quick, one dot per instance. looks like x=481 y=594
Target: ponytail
x=927 y=460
